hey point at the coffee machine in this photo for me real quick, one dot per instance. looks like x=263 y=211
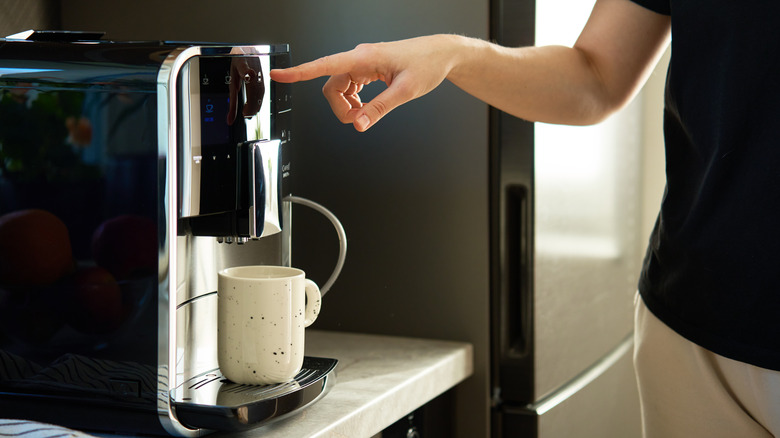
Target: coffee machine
x=130 y=174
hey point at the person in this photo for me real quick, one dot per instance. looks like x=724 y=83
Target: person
x=707 y=350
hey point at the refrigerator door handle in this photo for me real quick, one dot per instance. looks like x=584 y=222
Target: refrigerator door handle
x=582 y=380
x=517 y=311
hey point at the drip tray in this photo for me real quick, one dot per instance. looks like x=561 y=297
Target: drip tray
x=210 y=401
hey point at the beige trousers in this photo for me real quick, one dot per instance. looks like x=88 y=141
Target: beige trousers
x=689 y=392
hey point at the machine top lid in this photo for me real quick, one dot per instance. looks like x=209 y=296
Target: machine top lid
x=82 y=59
x=56 y=35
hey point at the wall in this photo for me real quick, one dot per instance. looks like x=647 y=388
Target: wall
x=19 y=15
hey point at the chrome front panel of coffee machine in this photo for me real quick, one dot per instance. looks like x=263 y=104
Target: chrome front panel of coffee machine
x=165 y=162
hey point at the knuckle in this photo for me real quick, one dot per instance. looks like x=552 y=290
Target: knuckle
x=362 y=47
x=325 y=62
x=380 y=107
x=365 y=50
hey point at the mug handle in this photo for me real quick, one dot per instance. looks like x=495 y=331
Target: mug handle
x=339 y=230
x=313 y=302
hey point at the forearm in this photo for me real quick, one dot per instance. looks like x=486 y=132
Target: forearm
x=552 y=84
x=580 y=85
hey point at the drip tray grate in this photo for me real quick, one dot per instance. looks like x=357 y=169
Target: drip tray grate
x=210 y=401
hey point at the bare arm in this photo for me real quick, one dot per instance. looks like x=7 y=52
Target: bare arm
x=579 y=85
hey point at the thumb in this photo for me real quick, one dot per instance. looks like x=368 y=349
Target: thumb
x=378 y=107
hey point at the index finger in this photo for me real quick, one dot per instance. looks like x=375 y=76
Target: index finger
x=326 y=66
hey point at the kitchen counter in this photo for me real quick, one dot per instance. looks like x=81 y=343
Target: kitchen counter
x=379 y=380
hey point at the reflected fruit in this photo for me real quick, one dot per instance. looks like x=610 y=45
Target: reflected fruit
x=126 y=246
x=96 y=301
x=35 y=248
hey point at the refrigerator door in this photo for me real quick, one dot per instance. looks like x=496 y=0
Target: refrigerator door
x=587 y=243
x=599 y=403
x=569 y=255
x=569 y=244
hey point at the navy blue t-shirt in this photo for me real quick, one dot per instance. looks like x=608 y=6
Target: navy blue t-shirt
x=712 y=269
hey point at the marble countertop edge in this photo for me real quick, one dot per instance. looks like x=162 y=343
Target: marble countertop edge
x=411 y=394
x=379 y=380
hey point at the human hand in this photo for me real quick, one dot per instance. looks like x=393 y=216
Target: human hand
x=410 y=68
x=245 y=72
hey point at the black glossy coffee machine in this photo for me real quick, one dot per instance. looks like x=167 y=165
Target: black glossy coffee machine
x=130 y=173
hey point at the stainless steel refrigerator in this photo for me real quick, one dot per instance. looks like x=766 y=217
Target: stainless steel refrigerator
x=565 y=243
x=464 y=223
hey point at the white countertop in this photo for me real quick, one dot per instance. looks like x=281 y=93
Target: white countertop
x=379 y=380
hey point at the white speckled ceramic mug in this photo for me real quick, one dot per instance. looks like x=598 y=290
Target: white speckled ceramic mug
x=262 y=313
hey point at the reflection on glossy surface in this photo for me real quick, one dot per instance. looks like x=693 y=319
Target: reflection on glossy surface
x=247 y=87
x=227 y=176
x=210 y=401
x=78 y=141
x=87 y=131
x=76 y=153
